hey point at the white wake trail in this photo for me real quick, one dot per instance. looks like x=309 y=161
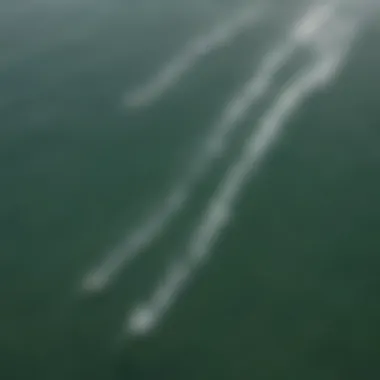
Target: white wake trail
x=195 y=50
x=238 y=108
x=98 y=278
x=147 y=315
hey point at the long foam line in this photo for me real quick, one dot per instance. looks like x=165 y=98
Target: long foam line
x=98 y=278
x=172 y=71
x=147 y=315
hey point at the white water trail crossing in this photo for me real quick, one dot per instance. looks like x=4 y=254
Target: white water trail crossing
x=238 y=108
x=140 y=238
x=148 y=314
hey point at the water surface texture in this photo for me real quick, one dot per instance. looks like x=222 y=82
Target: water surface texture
x=189 y=190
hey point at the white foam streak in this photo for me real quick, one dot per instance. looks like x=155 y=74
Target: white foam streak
x=326 y=40
x=97 y=279
x=147 y=315
x=235 y=112
x=172 y=72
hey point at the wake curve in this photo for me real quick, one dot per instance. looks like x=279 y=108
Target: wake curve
x=181 y=63
x=148 y=314
x=235 y=112
x=98 y=278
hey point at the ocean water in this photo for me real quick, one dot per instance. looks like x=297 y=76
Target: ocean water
x=189 y=190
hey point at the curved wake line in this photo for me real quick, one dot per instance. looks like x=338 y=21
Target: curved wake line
x=147 y=315
x=98 y=278
x=195 y=50
x=235 y=112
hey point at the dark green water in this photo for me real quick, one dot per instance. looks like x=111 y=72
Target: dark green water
x=290 y=288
